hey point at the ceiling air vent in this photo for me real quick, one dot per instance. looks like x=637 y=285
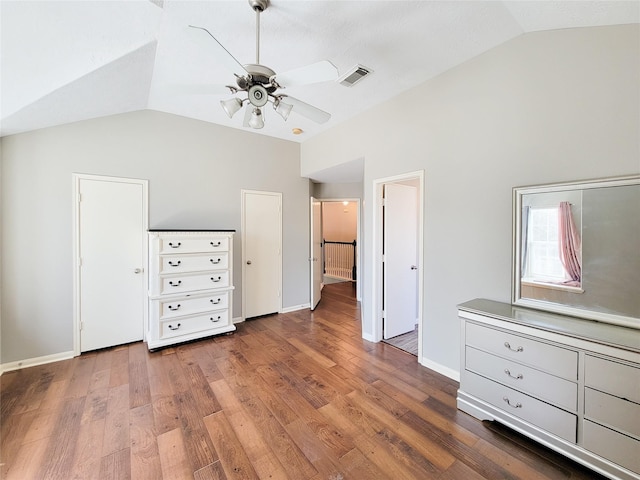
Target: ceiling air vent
x=354 y=75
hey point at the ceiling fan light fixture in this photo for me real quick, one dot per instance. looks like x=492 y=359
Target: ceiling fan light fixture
x=261 y=84
x=257 y=120
x=283 y=109
x=231 y=106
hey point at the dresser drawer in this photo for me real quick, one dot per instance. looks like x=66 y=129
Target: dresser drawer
x=194 y=263
x=193 y=245
x=190 y=283
x=542 y=356
x=613 y=412
x=197 y=323
x=188 y=305
x=612 y=377
x=612 y=445
x=547 y=417
x=556 y=390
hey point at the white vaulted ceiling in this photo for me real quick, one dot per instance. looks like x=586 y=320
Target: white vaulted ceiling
x=74 y=60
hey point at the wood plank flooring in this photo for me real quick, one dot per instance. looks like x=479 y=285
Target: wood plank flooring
x=293 y=396
x=407 y=342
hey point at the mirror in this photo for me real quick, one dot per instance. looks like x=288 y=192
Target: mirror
x=576 y=249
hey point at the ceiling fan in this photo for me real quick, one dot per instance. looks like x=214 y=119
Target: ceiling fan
x=261 y=84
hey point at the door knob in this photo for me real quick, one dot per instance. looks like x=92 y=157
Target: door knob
x=137 y=270
x=413 y=267
x=248 y=262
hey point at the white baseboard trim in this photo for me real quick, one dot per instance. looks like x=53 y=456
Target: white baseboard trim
x=238 y=320
x=368 y=337
x=295 y=308
x=441 y=369
x=32 y=362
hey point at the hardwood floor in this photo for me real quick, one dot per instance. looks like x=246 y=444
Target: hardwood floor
x=407 y=342
x=293 y=396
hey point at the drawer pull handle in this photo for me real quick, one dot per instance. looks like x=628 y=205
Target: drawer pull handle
x=175 y=245
x=517 y=377
x=171 y=327
x=508 y=345
x=214 y=279
x=173 y=309
x=215 y=244
x=176 y=284
x=175 y=264
x=517 y=405
x=215 y=302
x=216 y=320
x=215 y=262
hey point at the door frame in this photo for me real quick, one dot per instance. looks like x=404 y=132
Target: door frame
x=312 y=244
x=76 y=178
x=378 y=236
x=357 y=201
x=243 y=193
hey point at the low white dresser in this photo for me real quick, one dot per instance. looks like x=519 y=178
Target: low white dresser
x=568 y=383
x=190 y=285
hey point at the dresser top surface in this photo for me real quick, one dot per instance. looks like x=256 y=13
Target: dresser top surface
x=599 y=332
x=164 y=230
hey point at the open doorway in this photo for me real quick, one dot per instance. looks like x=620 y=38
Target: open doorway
x=339 y=240
x=338 y=222
x=398 y=261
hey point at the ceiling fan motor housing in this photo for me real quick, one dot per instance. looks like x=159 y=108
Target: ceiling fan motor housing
x=258 y=95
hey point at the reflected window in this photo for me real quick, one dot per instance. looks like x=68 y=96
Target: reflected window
x=543 y=252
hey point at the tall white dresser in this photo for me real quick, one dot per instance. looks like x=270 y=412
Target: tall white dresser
x=571 y=384
x=190 y=285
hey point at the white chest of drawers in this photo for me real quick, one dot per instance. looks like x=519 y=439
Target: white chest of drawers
x=571 y=384
x=190 y=285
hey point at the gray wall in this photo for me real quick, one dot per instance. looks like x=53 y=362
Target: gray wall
x=195 y=171
x=545 y=107
x=337 y=190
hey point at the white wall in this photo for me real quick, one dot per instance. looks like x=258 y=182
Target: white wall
x=544 y=107
x=195 y=171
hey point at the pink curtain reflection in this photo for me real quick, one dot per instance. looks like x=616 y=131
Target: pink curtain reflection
x=570 y=245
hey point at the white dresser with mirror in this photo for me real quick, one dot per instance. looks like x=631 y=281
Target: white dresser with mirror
x=561 y=362
x=571 y=384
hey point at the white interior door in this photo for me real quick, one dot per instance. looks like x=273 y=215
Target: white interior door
x=261 y=253
x=316 y=252
x=111 y=261
x=400 y=259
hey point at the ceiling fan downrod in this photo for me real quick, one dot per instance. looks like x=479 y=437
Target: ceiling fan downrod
x=258 y=6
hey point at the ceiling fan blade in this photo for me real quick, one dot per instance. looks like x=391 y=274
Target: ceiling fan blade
x=316 y=72
x=205 y=39
x=306 y=110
